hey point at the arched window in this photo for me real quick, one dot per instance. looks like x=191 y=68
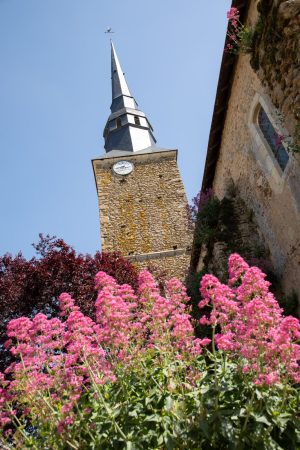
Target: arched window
x=119 y=122
x=273 y=138
x=137 y=120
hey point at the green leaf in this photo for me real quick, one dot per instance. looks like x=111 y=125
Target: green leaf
x=260 y=419
x=160 y=440
x=258 y=394
x=153 y=418
x=169 y=403
x=282 y=419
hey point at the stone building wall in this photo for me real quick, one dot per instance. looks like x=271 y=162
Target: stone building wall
x=236 y=231
x=273 y=196
x=276 y=57
x=144 y=214
x=171 y=264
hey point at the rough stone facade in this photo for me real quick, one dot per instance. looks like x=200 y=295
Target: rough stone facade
x=276 y=57
x=237 y=233
x=245 y=158
x=144 y=214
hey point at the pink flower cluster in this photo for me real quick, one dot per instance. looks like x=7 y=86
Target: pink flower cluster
x=234 y=28
x=233 y=14
x=60 y=358
x=252 y=325
x=55 y=357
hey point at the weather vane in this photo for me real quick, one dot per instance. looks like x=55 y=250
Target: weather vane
x=109 y=30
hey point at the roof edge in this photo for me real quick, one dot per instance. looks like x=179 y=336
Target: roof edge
x=226 y=76
x=227 y=70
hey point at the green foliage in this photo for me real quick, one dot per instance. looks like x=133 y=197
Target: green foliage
x=156 y=406
x=289 y=303
x=207 y=221
x=193 y=283
x=245 y=40
x=295 y=143
x=215 y=222
x=142 y=380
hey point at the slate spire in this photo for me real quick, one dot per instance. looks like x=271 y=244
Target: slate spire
x=119 y=85
x=127 y=127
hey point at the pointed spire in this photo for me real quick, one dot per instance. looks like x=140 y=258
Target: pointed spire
x=119 y=85
x=121 y=96
x=127 y=127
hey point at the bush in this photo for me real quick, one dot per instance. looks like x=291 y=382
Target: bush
x=29 y=287
x=137 y=378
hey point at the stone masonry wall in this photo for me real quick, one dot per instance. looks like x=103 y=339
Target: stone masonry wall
x=174 y=266
x=145 y=213
x=237 y=231
x=273 y=196
x=276 y=57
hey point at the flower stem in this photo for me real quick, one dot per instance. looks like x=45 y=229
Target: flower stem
x=248 y=411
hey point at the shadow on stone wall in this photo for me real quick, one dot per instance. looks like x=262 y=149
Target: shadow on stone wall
x=224 y=227
x=275 y=57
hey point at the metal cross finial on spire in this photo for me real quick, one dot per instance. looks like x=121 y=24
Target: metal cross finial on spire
x=109 y=30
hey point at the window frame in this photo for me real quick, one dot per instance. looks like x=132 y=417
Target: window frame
x=137 y=120
x=274 y=151
x=263 y=153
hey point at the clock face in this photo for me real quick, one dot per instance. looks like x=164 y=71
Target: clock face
x=123 y=167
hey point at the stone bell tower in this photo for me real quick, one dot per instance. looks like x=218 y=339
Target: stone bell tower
x=142 y=202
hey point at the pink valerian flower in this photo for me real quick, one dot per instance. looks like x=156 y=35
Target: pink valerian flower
x=233 y=14
x=66 y=304
x=220 y=297
x=204 y=320
x=19 y=329
x=279 y=138
x=166 y=322
x=5 y=397
x=267 y=379
x=57 y=356
x=64 y=424
x=199 y=344
x=226 y=342
x=236 y=33
x=147 y=287
x=176 y=292
x=237 y=267
x=255 y=285
x=229 y=48
x=252 y=324
x=115 y=309
x=103 y=280
x=83 y=344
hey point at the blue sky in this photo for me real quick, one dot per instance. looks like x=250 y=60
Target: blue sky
x=55 y=95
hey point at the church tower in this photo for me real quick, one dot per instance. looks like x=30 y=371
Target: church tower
x=142 y=202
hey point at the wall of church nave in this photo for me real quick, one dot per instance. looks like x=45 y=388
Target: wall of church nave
x=272 y=193
x=275 y=57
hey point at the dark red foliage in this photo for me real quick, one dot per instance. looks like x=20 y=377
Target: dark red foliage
x=27 y=287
